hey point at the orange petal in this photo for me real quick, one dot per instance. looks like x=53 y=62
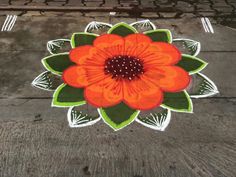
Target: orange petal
x=169 y=78
x=135 y=44
x=87 y=55
x=105 y=93
x=141 y=94
x=95 y=73
x=79 y=53
x=107 y=39
x=137 y=38
x=160 y=53
x=75 y=76
x=109 y=44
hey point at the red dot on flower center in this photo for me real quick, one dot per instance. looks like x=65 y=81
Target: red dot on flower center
x=124 y=67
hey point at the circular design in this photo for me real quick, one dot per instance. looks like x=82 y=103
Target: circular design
x=124 y=75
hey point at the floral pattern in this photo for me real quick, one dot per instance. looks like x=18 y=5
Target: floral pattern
x=124 y=71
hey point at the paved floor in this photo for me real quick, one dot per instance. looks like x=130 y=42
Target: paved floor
x=197 y=7
x=35 y=139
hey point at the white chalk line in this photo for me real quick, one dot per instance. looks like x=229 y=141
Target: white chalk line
x=204 y=25
x=8 y=19
x=12 y=23
x=9 y=23
x=207 y=25
x=3 y=26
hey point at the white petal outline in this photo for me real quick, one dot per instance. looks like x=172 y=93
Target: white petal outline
x=73 y=125
x=144 y=22
x=38 y=79
x=214 y=89
x=54 y=42
x=192 y=43
x=157 y=125
x=95 y=25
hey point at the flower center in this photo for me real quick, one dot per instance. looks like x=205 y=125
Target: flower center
x=124 y=67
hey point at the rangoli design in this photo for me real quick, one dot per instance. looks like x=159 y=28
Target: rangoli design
x=124 y=73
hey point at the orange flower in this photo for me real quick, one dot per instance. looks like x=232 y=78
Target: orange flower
x=132 y=69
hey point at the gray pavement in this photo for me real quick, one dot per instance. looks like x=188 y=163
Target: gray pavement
x=35 y=139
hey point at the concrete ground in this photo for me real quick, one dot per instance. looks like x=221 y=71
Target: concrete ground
x=35 y=139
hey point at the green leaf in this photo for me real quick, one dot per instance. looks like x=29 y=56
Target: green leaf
x=57 y=63
x=160 y=35
x=122 y=29
x=79 y=39
x=118 y=116
x=178 y=102
x=66 y=96
x=191 y=64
